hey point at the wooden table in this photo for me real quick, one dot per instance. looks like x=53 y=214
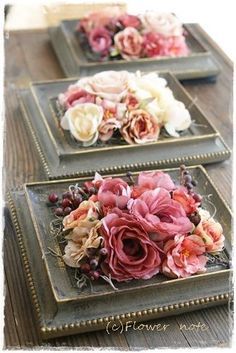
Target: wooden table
x=29 y=56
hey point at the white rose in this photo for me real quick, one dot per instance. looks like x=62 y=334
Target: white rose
x=165 y=24
x=110 y=85
x=83 y=121
x=204 y=214
x=176 y=118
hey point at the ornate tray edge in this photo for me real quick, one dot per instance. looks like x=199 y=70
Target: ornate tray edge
x=101 y=323
x=198 y=159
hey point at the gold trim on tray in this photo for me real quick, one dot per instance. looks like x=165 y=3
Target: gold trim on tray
x=99 y=323
x=198 y=158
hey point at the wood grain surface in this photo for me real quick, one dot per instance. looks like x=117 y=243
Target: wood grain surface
x=29 y=56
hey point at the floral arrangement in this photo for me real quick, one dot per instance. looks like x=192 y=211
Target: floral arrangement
x=134 y=228
x=129 y=107
x=113 y=34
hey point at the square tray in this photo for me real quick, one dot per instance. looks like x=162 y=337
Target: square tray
x=199 y=64
x=60 y=156
x=62 y=310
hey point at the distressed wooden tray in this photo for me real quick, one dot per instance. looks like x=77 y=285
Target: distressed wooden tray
x=199 y=64
x=61 y=156
x=59 y=306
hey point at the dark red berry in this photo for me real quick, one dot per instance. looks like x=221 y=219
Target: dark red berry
x=53 y=198
x=91 y=251
x=195 y=218
x=103 y=252
x=66 y=203
x=188 y=178
x=59 y=212
x=94 y=275
x=194 y=182
x=67 y=195
x=189 y=186
x=85 y=268
x=67 y=210
x=77 y=200
x=93 y=264
x=197 y=197
x=186 y=172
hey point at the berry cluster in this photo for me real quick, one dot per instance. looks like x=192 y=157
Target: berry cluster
x=91 y=266
x=71 y=199
x=187 y=181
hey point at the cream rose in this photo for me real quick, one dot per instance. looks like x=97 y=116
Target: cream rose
x=165 y=24
x=110 y=85
x=177 y=118
x=83 y=121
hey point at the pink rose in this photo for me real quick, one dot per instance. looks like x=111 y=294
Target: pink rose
x=184 y=256
x=151 y=45
x=155 y=44
x=152 y=180
x=75 y=95
x=100 y=18
x=131 y=254
x=186 y=200
x=107 y=127
x=114 y=193
x=161 y=216
x=131 y=101
x=165 y=24
x=100 y=40
x=129 y=43
x=129 y=21
x=212 y=234
x=140 y=127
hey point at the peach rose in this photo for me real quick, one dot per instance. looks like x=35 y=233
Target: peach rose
x=129 y=43
x=212 y=234
x=76 y=251
x=166 y=24
x=110 y=85
x=87 y=211
x=140 y=127
x=82 y=121
x=184 y=256
x=187 y=201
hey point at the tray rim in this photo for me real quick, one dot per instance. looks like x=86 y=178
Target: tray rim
x=77 y=327
x=128 y=290
x=117 y=147
x=211 y=72
x=205 y=157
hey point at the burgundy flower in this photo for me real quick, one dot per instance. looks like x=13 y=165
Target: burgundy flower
x=129 y=21
x=75 y=95
x=131 y=254
x=161 y=216
x=152 y=180
x=100 y=40
x=114 y=193
x=129 y=43
x=184 y=256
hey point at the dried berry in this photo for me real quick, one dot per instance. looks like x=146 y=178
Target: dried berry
x=59 y=212
x=53 y=198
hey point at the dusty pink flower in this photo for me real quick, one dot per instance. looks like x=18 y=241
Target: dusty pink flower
x=107 y=127
x=129 y=43
x=131 y=101
x=152 y=180
x=131 y=254
x=75 y=95
x=212 y=234
x=100 y=18
x=129 y=21
x=140 y=127
x=187 y=201
x=100 y=40
x=161 y=216
x=155 y=45
x=184 y=256
x=151 y=45
x=114 y=193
